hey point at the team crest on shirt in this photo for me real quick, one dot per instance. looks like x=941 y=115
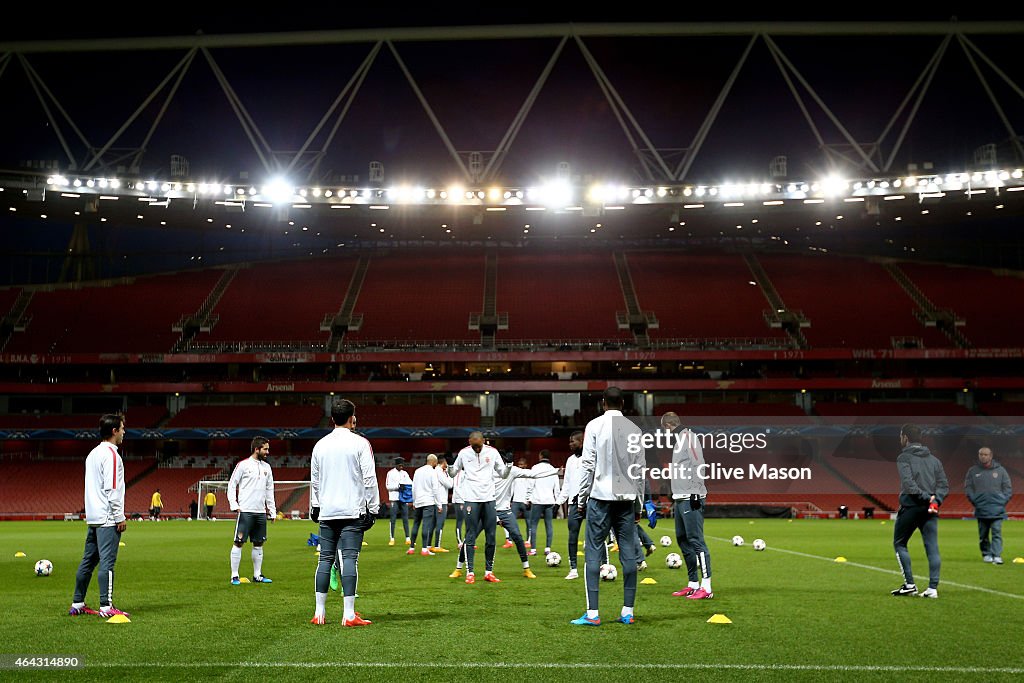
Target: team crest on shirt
x=995 y=475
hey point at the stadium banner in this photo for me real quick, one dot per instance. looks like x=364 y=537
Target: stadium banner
x=313 y=433
x=480 y=386
x=533 y=352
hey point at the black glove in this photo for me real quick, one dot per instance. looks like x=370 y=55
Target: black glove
x=694 y=501
x=366 y=521
x=314 y=514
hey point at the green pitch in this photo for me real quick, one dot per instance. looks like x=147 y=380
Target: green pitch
x=796 y=614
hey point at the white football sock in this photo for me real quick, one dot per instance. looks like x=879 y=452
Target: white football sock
x=321 y=605
x=350 y=606
x=257 y=562
x=236 y=559
x=706 y=585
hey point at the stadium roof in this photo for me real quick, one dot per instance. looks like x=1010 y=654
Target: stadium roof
x=691 y=113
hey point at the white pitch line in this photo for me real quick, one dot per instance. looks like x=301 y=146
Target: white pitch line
x=886 y=571
x=567 y=665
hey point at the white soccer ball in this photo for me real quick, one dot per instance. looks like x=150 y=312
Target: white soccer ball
x=737 y=540
x=674 y=560
x=759 y=544
x=608 y=572
x=666 y=541
x=553 y=559
x=44 y=568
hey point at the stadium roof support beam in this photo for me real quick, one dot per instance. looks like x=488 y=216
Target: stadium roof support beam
x=620 y=110
x=702 y=133
x=786 y=67
x=41 y=89
x=494 y=163
x=248 y=125
x=5 y=59
x=181 y=68
x=453 y=33
x=921 y=87
x=430 y=113
x=965 y=43
x=348 y=94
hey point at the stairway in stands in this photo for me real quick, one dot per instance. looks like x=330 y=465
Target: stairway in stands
x=489 y=320
x=203 y=320
x=930 y=315
x=15 y=320
x=779 y=316
x=633 y=318
x=344 y=320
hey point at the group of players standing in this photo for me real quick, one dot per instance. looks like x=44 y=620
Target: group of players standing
x=345 y=502
x=344 y=499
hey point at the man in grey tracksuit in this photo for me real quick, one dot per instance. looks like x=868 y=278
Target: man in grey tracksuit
x=689 y=494
x=923 y=487
x=987 y=486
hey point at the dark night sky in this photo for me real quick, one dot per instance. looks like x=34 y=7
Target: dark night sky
x=476 y=89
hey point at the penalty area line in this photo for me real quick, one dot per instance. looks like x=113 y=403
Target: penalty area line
x=944 y=582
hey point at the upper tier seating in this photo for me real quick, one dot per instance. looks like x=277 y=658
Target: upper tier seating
x=564 y=295
x=850 y=302
x=991 y=305
x=407 y=296
x=121 y=318
x=281 y=301
x=700 y=295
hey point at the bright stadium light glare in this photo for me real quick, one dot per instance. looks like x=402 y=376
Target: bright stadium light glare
x=833 y=186
x=277 y=191
x=455 y=192
x=555 y=193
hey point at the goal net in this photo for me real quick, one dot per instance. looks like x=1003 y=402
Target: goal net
x=291 y=498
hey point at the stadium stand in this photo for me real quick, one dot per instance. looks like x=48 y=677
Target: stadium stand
x=247 y=416
x=559 y=296
x=700 y=295
x=119 y=318
x=405 y=297
x=989 y=302
x=286 y=301
x=852 y=303
x=418 y=416
x=136 y=418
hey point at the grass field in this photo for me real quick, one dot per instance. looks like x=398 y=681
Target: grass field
x=796 y=614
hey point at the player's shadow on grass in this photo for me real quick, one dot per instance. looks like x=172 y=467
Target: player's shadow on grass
x=400 y=617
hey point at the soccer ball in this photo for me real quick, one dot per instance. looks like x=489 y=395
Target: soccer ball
x=666 y=541
x=737 y=540
x=674 y=561
x=553 y=559
x=608 y=572
x=44 y=568
x=759 y=544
